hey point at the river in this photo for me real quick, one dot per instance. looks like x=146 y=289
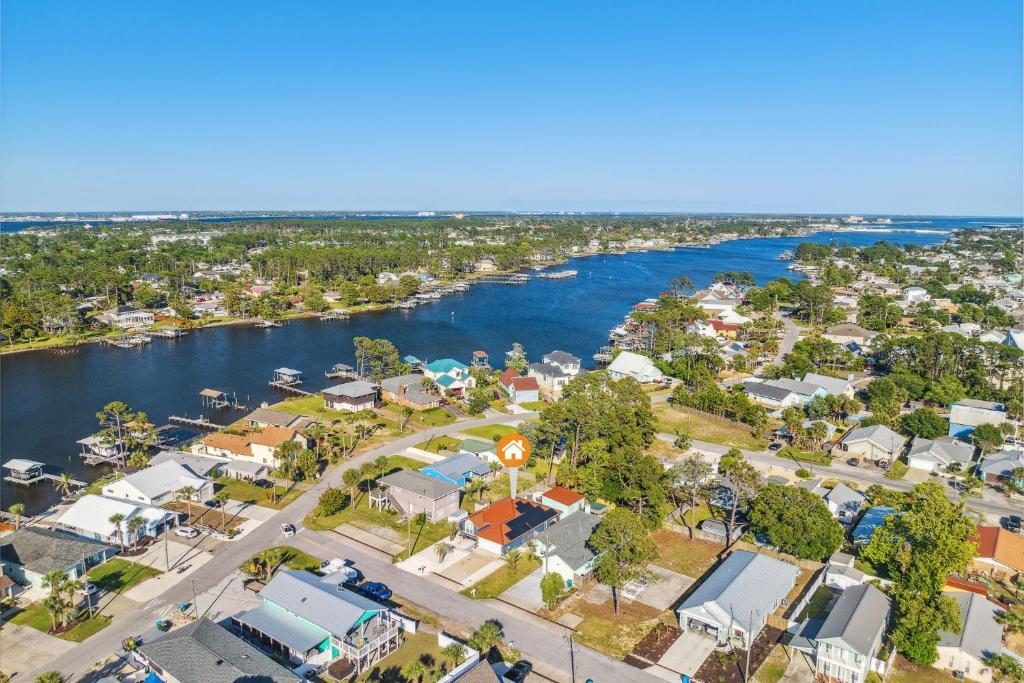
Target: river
x=50 y=400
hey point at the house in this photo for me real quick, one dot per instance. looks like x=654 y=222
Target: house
x=268 y=417
x=916 y=295
x=566 y=362
x=412 y=493
x=875 y=443
x=805 y=390
x=30 y=553
x=736 y=599
x=508 y=523
x=159 y=484
x=566 y=501
x=848 y=641
x=840 y=572
x=937 y=455
x=258 y=447
x=968 y=413
x=554 y=371
x=127 y=316
x=306 y=620
x=201 y=465
x=452 y=376
x=89 y=517
x=564 y=547
x=842 y=501
x=845 y=333
x=980 y=637
x=872 y=519
x=833 y=386
x=770 y=394
x=1014 y=338
x=485 y=450
x=998 y=468
x=408 y=392
x=205 y=652
x=519 y=389
x=999 y=549
x=386 y=278
x=717 y=531
x=640 y=368
x=457 y=469
x=350 y=397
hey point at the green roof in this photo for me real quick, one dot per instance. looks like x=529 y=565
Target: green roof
x=445 y=365
x=477 y=445
x=446 y=380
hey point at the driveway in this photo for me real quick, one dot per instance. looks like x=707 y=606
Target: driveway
x=688 y=653
x=526 y=593
x=664 y=588
x=800 y=669
x=22 y=648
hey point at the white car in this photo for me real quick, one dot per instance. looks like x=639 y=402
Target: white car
x=186 y=531
x=287 y=529
x=89 y=589
x=334 y=564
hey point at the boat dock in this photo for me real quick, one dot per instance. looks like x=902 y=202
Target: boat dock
x=559 y=275
x=267 y=324
x=341 y=371
x=335 y=314
x=287 y=379
x=217 y=399
x=513 y=279
x=200 y=422
x=169 y=332
x=128 y=342
x=28 y=472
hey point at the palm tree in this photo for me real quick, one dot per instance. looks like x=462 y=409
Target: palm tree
x=382 y=464
x=351 y=479
x=512 y=558
x=414 y=670
x=116 y=520
x=365 y=475
x=64 y=484
x=54 y=607
x=442 y=550
x=134 y=524
x=222 y=498
x=486 y=636
x=17 y=510
x=55 y=581
x=186 y=493
x=455 y=652
x=71 y=587
x=1011 y=620
x=453 y=530
x=50 y=677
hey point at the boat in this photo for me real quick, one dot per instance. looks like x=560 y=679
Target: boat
x=267 y=324
x=559 y=275
x=787 y=256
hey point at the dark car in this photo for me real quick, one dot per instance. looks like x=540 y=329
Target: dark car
x=775 y=446
x=853 y=462
x=212 y=503
x=519 y=671
x=1013 y=523
x=376 y=590
x=263 y=483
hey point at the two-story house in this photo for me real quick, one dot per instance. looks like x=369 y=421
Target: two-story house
x=849 y=638
x=554 y=372
x=450 y=375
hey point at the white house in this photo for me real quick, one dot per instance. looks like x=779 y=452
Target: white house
x=258 y=447
x=90 y=517
x=640 y=368
x=158 y=484
x=556 y=370
x=979 y=638
x=127 y=316
x=771 y=395
x=916 y=295
x=350 y=397
x=850 y=637
x=934 y=455
x=834 y=386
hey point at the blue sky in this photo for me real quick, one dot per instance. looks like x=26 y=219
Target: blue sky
x=897 y=107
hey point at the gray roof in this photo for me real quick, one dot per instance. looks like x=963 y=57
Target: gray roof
x=980 y=634
x=569 y=538
x=857 y=618
x=204 y=652
x=277 y=418
x=880 y=435
x=849 y=330
x=547 y=370
x=201 y=465
x=1002 y=463
x=796 y=386
x=977 y=403
x=156 y=480
x=250 y=467
x=284 y=627
x=420 y=484
x=481 y=672
x=414 y=391
x=458 y=465
x=561 y=357
x=44 y=550
x=333 y=609
x=845 y=497
x=945 y=450
x=833 y=385
x=767 y=390
x=354 y=389
x=745 y=584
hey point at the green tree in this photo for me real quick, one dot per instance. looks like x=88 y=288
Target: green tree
x=116 y=520
x=18 y=509
x=743 y=482
x=987 y=437
x=625 y=549
x=690 y=480
x=796 y=521
x=332 y=501
x=924 y=423
x=351 y=478
x=186 y=494
x=551 y=587
x=133 y=526
x=50 y=677
x=486 y=636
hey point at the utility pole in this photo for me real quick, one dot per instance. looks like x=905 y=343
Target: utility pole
x=167 y=551
x=85 y=580
x=195 y=604
x=750 y=644
x=572 y=656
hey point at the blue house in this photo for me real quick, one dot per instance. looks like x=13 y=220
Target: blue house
x=872 y=519
x=457 y=469
x=968 y=413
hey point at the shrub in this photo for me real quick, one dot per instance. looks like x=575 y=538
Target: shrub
x=804 y=473
x=332 y=501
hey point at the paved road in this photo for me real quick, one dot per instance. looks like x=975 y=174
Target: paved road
x=81 y=658
x=543 y=643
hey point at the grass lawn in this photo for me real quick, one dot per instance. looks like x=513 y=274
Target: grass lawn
x=489 y=432
x=903 y=671
x=440 y=443
x=404 y=462
x=774 y=666
x=700 y=513
x=247 y=492
x=435 y=417
x=38 y=618
x=813 y=457
x=296 y=559
x=868 y=568
x=420 y=646
x=500 y=580
x=818 y=604
x=680 y=554
x=312 y=406
x=374 y=520
x=500 y=486
x=120 y=575
x=670 y=419
x=96 y=488
x=663 y=450
x=535 y=405
x=614 y=634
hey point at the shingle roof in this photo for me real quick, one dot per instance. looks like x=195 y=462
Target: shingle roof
x=569 y=538
x=547 y=370
x=980 y=634
x=354 y=389
x=767 y=390
x=203 y=652
x=857 y=618
x=561 y=357
x=276 y=418
x=420 y=484
x=833 y=385
x=1002 y=463
x=880 y=435
x=45 y=550
x=413 y=384
x=796 y=386
x=944 y=451
x=333 y=609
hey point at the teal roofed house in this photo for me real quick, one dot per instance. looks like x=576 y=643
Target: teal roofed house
x=452 y=376
x=307 y=619
x=445 y=365
x=485 y=450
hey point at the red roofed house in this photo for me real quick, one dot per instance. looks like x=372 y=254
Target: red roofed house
x=999 y=550
x=724 y=329
x=508 y=523
x=520 y=389
x=566 y=501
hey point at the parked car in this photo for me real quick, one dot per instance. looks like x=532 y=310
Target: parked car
x=186 y=531
x=89 y=589
x=518 y=672
x=853 y=462
x=1013 y=523
x=334 y=564
x=775 y=446
x=377 y=591
x=288 y=529
x=263 y=483
x=212 y=503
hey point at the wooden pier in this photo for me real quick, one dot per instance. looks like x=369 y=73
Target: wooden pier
x=28 y=472
x=169 y=332
x=513 y=279
x=341 y=371
x=334 y=314
x=290 y=388
x=200 y=423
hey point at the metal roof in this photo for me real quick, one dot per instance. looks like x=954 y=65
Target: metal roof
x=857 y=618
x=458 y=465
x=980 y=634
x=417 y=483
x=336 y=610
x=284 y=627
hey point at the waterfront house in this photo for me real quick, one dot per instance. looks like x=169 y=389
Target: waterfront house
x=519 y=389
x=256 y=447
x=834 y=386
x=554 y=371
x=871 y=520
x=159 y=484
x=565 y=501
x=408 y=392
x=306 y=620
x=457 y=469
x=640 y=368
x=125 y=317
x=980 y=637
x=937 y=455
x=350 y=397
x=735 y=601
x=30 y=553
x=89 y=517
x=876 y=443
x=411 y=493
x=508 y=523
x=268 y=417
x=205 y=466
x=847 y=643
x=205 y=652
x=968 y=413
x=998 y=468
x=450 y=375
x=566 y=362
x=564 y=547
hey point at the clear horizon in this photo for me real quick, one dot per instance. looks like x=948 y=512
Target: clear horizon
x=912 y=108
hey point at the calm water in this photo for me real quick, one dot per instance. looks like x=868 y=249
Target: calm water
x=49 y=400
